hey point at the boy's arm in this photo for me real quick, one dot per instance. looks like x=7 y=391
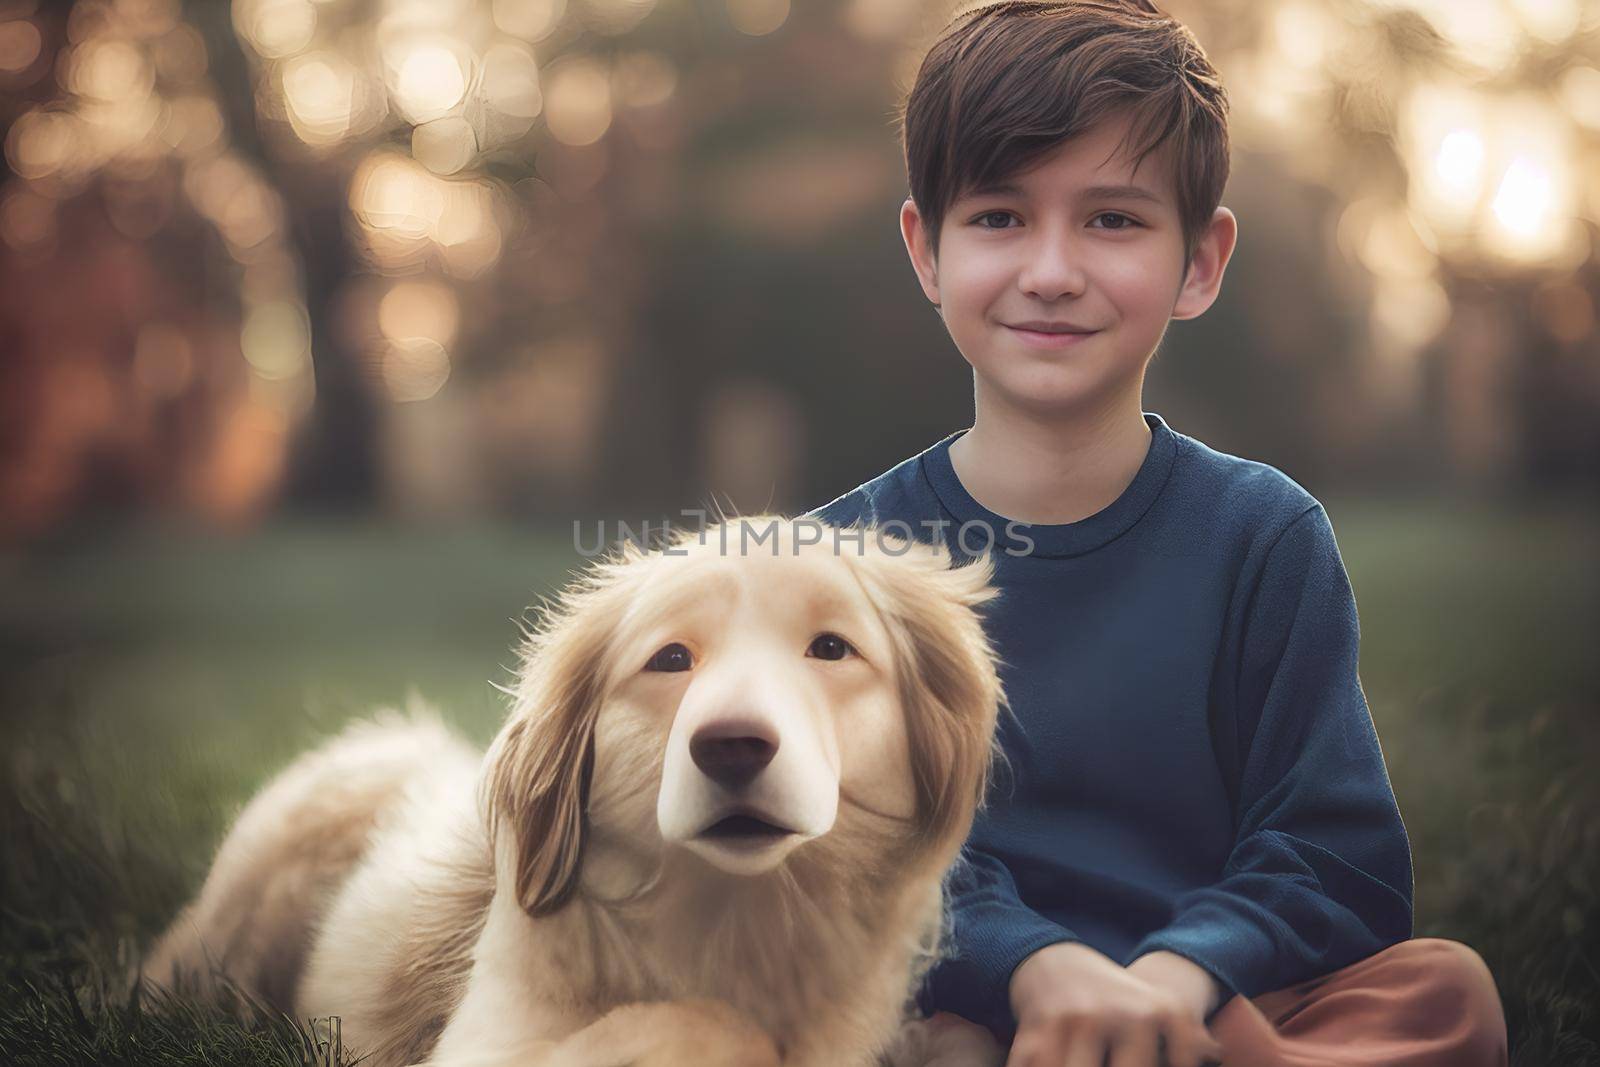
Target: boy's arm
x=991 y=932
x=1320 y=872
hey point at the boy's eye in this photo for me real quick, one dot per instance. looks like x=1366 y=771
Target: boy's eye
x=994 y=216
x=1120 y=221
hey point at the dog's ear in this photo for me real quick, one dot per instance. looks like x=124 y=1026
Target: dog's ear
x=947 y=674
x=536 y=785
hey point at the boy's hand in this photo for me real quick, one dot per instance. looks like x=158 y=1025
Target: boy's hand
x=1189 y=981
x=1076 y=1008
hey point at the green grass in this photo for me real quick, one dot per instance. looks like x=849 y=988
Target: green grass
x=152 y=680
x=1479 y=632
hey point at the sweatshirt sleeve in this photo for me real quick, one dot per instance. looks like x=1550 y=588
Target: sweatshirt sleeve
x=1320 y=871
x=991 y=932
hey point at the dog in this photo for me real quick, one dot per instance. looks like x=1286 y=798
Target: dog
x=713 y=829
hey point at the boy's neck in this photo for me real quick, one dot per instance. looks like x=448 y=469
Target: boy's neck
x=1050 y=472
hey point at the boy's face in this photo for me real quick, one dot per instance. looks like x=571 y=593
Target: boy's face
x=1058 y=286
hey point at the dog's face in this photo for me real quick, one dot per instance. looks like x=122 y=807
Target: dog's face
x=738 y=697
x=767 y=684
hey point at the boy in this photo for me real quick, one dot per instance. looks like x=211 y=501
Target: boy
x=1196 y=823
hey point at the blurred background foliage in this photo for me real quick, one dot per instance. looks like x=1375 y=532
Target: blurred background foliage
x=322 y=322
x=515 y=257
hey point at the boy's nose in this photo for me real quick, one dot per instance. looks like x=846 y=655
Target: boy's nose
x=1053 y=269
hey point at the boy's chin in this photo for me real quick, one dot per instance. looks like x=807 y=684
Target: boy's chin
x=1044 y=389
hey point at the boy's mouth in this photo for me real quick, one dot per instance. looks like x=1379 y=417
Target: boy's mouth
x=1053 y=337
x=1049 y=326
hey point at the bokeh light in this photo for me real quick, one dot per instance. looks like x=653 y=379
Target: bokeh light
x=530 y=20
x=276 y=339
x=758 y=17
x=511 y=95
x=1580 y=93
x=42 y=143
x=614 y=17
x=643 y=79
x=320 y=91
x=884 y=20
x=20 y=45
x=407 y=213
x=428 y=80
x=417 y=308
x=275 y=28
x=578 y=101
x=415 y=368
x=444 y=145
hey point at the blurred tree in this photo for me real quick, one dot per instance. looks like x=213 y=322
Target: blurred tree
x=558 y=255
x=1456 y=148
x=335 y=453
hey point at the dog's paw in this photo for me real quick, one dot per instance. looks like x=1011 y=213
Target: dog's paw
x=681 y=1033
x=944 y=1040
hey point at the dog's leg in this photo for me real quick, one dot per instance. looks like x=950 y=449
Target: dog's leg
x=684 y=1033
x=517 y=1005
x=944 y=1040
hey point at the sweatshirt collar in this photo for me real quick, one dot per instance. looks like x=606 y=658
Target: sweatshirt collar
x=1059 y=540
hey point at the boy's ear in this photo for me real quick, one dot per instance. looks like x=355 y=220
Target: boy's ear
x=1211 y=255
x=920 y=249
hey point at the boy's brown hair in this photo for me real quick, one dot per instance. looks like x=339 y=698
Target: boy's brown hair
x=1007 y=83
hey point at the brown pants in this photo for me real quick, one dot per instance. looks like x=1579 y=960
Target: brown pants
x=1421 y=1003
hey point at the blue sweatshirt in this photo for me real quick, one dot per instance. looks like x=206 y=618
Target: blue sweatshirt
x=1192 y=765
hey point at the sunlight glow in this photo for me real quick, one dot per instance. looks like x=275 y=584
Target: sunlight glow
x=429 y=82
x=1548 y=20
x=1483 y=32
x=1459 y=164
x=1442 y=128
x=1524 y=203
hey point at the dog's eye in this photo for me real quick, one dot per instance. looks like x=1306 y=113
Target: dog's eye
x=673 y=657
x=829 y=646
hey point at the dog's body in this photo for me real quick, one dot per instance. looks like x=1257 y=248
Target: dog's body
x=730 y=856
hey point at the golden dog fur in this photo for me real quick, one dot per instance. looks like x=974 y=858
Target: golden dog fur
x=561 y=899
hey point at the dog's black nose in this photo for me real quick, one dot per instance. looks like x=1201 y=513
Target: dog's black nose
x=733 y=751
